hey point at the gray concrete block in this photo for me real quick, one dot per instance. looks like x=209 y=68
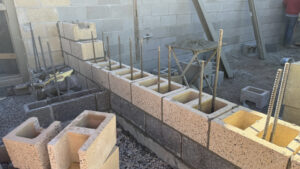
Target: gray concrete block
x=153 y=128
x=98 y=12
x=255 y=95
x=69 y=14
x=66 y=110
x=136 y=116
x=103 y=101
x=44 y=115
x=200 y=157
x=171 y=139
x=115 y=102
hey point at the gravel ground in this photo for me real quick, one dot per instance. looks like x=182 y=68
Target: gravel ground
x=132 y=154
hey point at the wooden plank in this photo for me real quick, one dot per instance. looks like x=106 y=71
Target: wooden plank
x=2 y=7
x=210 y=33
x=7 y=56
x=257 y=30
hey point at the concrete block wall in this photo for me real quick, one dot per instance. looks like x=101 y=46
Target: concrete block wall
x=165 y=21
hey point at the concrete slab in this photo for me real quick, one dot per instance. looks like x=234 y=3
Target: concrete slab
x=181 y=112
x=146 y=97
x=85 y=143
x=236 y=137
x=79 y=31
x=120 y=81
x=27 y=144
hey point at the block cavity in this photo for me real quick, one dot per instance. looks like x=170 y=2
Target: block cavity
x=27 y=144
x=101 y=72
x=181 y=112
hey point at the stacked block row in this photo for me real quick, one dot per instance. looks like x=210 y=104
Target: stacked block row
x=230 y=134
x=88 y=142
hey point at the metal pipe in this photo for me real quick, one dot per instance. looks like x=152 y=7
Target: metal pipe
x=219 y=49
x=53 y=69
x=141 y=59
x=280 y=98
x=108 y=54
x=36 y=57
x=201 y=84
x=131 y=62
x=169 y=69
x=120 y=57
x=158 y=71
x=42 y=52
x=94 y=52
x=59 y=35
x=272 y=101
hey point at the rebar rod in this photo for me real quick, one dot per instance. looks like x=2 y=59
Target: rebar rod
x=158 y=71
x=201 y=84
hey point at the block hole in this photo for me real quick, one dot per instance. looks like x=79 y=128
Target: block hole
x=137 y=76
x=91 y=121
x=125 y=72
x=75 y=142
x=29 y=131
x=165 y=89
x=242 y=119
x=105 y=64
x=258 y=91
x=151 y=82
x=116 y=67
x=186 y=97
x=207 y=105
x=283 y=136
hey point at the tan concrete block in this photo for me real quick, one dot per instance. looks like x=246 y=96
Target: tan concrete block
x=120 y=81
x=27 y=3
x=113 y=161
x=236 y=136
x=86 y=143
x=291 y=114
x=79 y=31
x=180 y=111
x=292 y=91
x=295 y=162
x=146 y=97
x=27 y=144
x=55 y=3
x=84 y=50
x=101 y=72
x=66 y=45
x=42 y=14
x=85 y=68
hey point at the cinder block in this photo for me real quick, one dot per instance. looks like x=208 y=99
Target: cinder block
x=292 y=91
x=67 y=110
x=291 y=114
x=44 y=114
x=74 y=63
x=85 y=68
x=113 y=160
x=101 y=72
x=153 y=128
x=181 y=111
x=55 y=3
x=84 y=50
x=66 y=45
x=79 y=31
x=66 y=59
x=4 y=158
x=200 y=157
x=27 y=144
x=295 y=162
x=255 y=95
x=115 y=102
x=120 y=81
x=237 y=137
x=42 y=14
x=171 y=140
x=145 y=95
x=103 y=101
x=86 y=143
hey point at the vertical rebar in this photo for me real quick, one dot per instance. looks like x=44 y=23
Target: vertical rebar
x=53 y=69
x=141 y=59
x=120 y=57
x=42 y=53
x=272 y=101
x=59 y=36
x=131 y=62
x=93 y=42
x=108 y=53
x=279 y=100
x=158 y=71
x=169 y=69
x=201 y=84
x=219 y=50
x=104 y=52
x=35 y=53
